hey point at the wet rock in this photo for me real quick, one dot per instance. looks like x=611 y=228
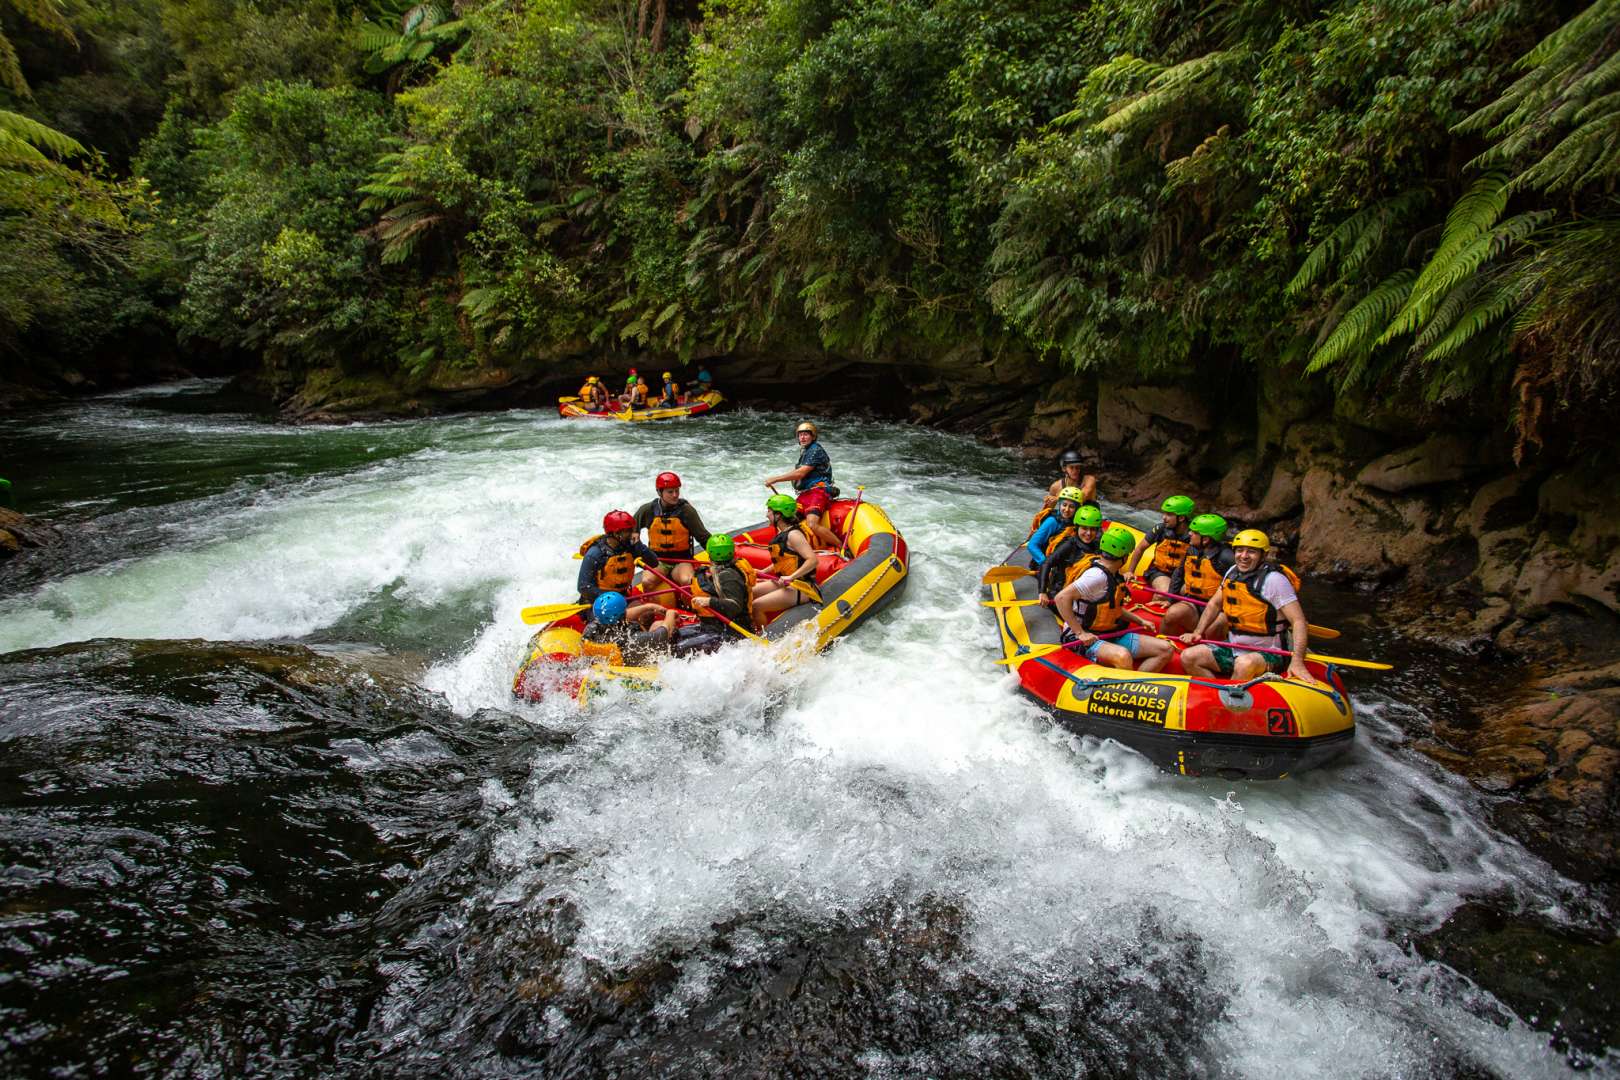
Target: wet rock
x=1350 y=532
x=1440 y=459
x=18 y=532
x=1125 y=413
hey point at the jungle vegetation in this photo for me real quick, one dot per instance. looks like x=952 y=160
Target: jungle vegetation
x=1408 y=199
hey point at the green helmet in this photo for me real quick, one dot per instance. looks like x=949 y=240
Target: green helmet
x=1178 y=505
x=1089 y=517
x=721 y=548
x=1117 y=541
x=1210 y=525
x=783 y=504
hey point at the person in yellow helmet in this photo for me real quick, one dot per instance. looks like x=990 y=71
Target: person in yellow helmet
x=671 y=392
x=814 y=468
x=594 y=395
x=1260 y=604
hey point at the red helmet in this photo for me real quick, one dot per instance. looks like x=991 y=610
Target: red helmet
x=617 y=521
x=666 y=480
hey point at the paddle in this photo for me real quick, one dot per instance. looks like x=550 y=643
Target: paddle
x=849 y=522
x=798 y=586
x=679 y=588
x=1342 y=661
x=1325 y=633
x=552 y=612
x=1047 y=650
x=1000 y=575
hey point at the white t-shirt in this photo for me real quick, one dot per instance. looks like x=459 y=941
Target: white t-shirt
x=1277 y=591
x=1092 y=586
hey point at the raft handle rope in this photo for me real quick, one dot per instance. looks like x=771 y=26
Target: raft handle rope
x=1222 y=688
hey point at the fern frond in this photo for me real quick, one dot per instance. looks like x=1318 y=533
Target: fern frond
x=1168 y=89
x=1361 y=324
x=1363 y=232
x=1587 y=155
x=1444 y=274
x=33 y=132
x=1497 y=303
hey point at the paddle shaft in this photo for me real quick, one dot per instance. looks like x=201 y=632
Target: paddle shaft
x=1344 y=661
x=716 y=614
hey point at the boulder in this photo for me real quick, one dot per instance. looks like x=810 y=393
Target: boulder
x=1441 y=459
x=1126 y=412
x=1350 y=532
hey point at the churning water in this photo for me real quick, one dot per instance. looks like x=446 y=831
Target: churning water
x=338 y=845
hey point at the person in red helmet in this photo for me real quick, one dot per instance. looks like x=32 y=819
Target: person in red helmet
x=674 y=528
x=610 y=557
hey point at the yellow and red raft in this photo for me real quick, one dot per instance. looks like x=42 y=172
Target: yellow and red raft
x=866 y=575
x=573 y=408
x=1260 y=730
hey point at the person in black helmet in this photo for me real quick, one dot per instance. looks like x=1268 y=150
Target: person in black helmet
x=1074 y=475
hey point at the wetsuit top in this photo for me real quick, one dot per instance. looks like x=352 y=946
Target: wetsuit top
x=596 y=561
x=727 y=590
x=1056 y=566
x=820 y=467
x=672 y=532
x=1049 y=527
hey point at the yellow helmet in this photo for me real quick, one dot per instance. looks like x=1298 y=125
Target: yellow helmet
x=590 y=380
x=809 y=426
x=1072 y=494
x=1251 y=538
x=666 y=375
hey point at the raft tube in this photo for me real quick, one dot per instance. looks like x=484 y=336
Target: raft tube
x=1262 y=730
x=573 y=408
x=865 y=576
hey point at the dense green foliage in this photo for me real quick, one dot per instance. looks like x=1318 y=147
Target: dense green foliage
x=1401 y=197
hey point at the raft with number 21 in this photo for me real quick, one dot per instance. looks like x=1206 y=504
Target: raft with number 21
x=1261 y=729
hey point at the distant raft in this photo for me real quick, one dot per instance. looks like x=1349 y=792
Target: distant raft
x=853 y=588
x=573 y=408
x=1264 y=729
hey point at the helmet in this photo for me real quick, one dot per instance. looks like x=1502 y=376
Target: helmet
x=1073 y=494
x=1178 y=505
x=1088 y=517
x=630 y=379
x=721 y=548
x=1251 y=538
x=617 y=521
x=1210 y=525
x=591 y=381
x=786 y=505
x=1117 y=542
x=807 y=425
x=1070 y=457
x=609 y=608
x=666 y=375
x=666 y=480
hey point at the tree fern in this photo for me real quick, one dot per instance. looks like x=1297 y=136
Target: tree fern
x=1355 y=333
x=1170 y=89
x=21 y=138
x=1363 y=233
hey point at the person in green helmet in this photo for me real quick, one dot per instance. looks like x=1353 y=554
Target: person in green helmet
x=1208 y=559
x=724 y=587
x=1169 y=540
x=1062 y=564
x=1095 y=613
x=1053 y=527
x=793 y=559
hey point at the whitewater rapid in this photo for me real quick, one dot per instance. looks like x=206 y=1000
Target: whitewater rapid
x=898 y=768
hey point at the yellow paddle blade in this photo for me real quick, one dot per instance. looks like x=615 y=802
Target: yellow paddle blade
x=1323 y=633
x=1007 y=603
x=545 y=613
x=1000 y=575
x=1037 y=651
x=1344 y=661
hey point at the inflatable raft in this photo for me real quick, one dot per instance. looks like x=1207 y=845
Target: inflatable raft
x=1264 y=729
x=573 y=408
x=861 y=579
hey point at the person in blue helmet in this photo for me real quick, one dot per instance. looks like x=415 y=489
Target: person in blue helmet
x=616 y=631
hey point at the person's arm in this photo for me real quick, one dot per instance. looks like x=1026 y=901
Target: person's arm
x=1037 y=543
x=801 y=547
x=694 y=524
x=1300 y=632
x=587 y=575
x=790 y=477
x=643 y=552
x=1136 y=553
x=1206 y=617
x=1088 y=489
x=1065 y=608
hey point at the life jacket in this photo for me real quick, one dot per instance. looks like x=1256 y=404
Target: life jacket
x=617 y=572
x=1200 y=574
x=1247 y=610
x=672 y=393
x=1108 y=614
x=587 y=393
x=638 y=395
x=1079 y=566
x=784 y=560
x=1057 y=537
x=667 y=534
x=1170 y=550
x=750 y=579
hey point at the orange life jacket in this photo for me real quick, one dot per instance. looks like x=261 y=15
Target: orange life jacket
x=784 y=560
x=750 y=579
x=638 y=395
x=617 y=572
x=1200 y=576
x=1247 y=610
x=668 y=535
x=1169 y=551
x=1108 y=614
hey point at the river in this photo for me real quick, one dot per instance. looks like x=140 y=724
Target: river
x=269 y=807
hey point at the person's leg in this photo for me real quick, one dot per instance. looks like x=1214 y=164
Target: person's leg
x=1199 y=662
x=776 y=600
x=1160 y=582
x=1151 y=653
x=1179 y=618
x=1248 y=665
x=1110 y=655
x=680 y=573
